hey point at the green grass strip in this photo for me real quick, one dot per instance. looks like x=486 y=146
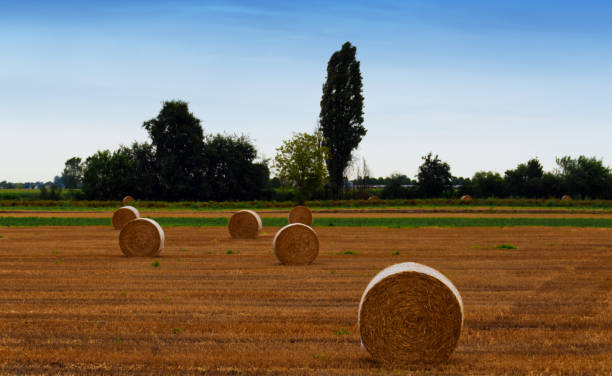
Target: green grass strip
x=327 y=222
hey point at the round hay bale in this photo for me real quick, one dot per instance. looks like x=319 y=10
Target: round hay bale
x=296 y=244
x=128 y=200
x=410 y=313
x=566 y=198
x=466 y=199
x=141 y=237
x=373 y=198
x=300 y=214
x=244 y=224
x=123 y=215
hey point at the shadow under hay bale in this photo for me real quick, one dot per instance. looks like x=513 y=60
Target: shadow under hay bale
x=245 y=224
x=296 y=244
x=409 y=314
x=301 y=214
x=123 y=215
x=142 y=237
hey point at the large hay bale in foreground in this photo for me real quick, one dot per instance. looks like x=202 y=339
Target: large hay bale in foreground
x=141 y=237
x=566 y=198
x=123 y=215
x=296 y=244
x=128 y=200
x=466 y=199
x=300 y=214
x=244 y=224
x=410 y=313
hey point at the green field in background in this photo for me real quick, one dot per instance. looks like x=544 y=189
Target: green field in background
x=327 y=222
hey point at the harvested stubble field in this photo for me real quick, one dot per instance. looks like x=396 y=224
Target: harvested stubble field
x=71 y=303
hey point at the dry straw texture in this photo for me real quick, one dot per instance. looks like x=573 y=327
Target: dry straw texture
x=244 y=224
x=566 y=198
x=142 y=237
x=123 y=215
x=128 y=200
x=296 y=244
x=466 y=198
x=300 y=214
x=410 y=313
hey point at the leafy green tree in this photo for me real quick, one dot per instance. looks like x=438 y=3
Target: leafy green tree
x=585 y=177
x=341 y=117
x=434 y=176
x=108 y=176
x=301 y=162
x=231 y=169
x=487 y=184
x=525 y=180
x=178 y=142
x=72 y=176
x=394 y=187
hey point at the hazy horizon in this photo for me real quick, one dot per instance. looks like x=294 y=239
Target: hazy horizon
x=483 y=85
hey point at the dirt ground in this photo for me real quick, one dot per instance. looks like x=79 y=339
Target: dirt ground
x=71 y=303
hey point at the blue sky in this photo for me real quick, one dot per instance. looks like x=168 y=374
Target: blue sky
x=484 y=84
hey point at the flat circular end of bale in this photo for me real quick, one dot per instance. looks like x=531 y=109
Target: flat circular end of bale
x=128 y=200
x=123 y=215
x=296 y=244
x=244 y=224
x=141 y=237
x=566 y=198
x=301 y=214
x=466 y=198
x=410 y=314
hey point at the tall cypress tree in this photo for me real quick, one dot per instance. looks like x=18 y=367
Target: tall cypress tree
x=341 y=118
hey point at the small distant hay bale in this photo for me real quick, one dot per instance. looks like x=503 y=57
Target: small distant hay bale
x=410 y=313
x=301 y=214
x=123 y=215
x=466 y=199
x=142 y=237
x=373 y=198
x=296 y=244
x=566 y=198
x=244 y=224
x=128 y=200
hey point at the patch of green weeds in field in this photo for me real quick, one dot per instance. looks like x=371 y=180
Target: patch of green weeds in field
x=156 y=264
x=165 y=298
x=505 y=246
x=396 y=253
x=57 y=261
x=1 y=236
x=232 y=252
x=123 y=293
x=342 y=332
x=348 y=253
x=318 y=356
x=477 y=246
x=209 y=253
x=333 y=272
x=176 y=330
x=55 y=252
x=185 y=250
x=117 y=341
x=179 y=259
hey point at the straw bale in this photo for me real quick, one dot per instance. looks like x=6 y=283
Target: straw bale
x=244 y=224
x=410 y=313
x=566 y=198
x=141 y=237
x=300 y=214
x=296 y=244
x=128 y=200
x=466 y=198
x=123 y=215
